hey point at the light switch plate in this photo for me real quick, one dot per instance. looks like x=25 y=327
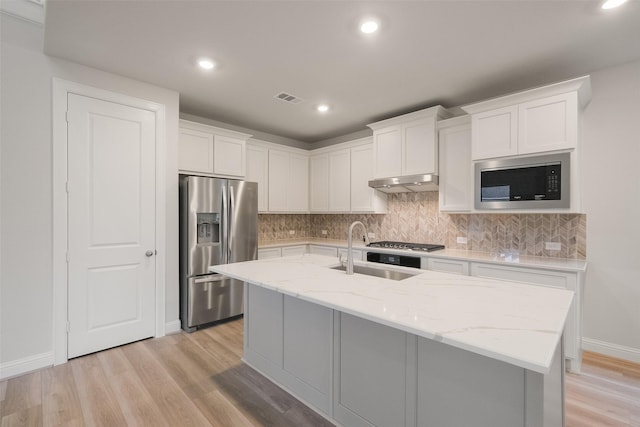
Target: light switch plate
x=324 y=232
x=461 y=240
x=553 y=246
x=371 y=235
x=292 y=232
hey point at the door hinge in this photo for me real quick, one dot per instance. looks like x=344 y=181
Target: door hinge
x=66 y=187
x=68 y=326
x=68 y=257
x=66 y=116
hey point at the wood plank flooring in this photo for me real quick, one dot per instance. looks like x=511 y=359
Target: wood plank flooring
x=198 y=380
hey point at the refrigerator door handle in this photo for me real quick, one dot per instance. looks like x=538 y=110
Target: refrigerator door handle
x=231 y=237
x=209 y=279
x=225 y=225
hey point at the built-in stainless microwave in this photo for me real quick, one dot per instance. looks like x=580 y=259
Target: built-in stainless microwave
x=539 y=182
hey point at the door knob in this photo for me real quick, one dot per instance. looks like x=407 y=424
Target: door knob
x=149 y=253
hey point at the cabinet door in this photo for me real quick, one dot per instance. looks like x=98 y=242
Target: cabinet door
x=494 y=133
x=264 y=316
x=363 y=197
x=339 y=181
x=319 y=183
x=323 y=250
x=548 y=124
x=257 y=171
x=372 y=382
x=229 y=156
x=278 y=180
x=294 y=250
x=266 y=253
x=420 y=150
x=448 y=266
x=298 y=183
x=388 y=152
x=456 y=183
x=195 y=151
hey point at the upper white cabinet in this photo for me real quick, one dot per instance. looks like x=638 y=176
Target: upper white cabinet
x=534 y=121
x=456 y=177
x=407 y=144
x=210 y=150
x=288 y=181
x=363 y=197
x=258 y=171
x=339 y=179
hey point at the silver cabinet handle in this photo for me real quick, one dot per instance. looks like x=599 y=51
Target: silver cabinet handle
x=149 y=253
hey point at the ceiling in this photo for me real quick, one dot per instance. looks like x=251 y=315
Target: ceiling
x=425 y=53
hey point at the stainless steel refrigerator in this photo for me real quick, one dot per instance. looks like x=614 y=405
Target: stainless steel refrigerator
x=218 y=225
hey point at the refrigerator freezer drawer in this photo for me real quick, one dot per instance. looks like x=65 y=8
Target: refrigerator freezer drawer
x=212 y=298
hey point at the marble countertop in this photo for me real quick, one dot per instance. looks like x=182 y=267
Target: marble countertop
x=506 y=257
x=511 y=322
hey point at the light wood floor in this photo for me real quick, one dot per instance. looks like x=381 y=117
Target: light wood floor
x=198 y=380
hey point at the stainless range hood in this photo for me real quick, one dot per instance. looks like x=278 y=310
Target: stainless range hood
x=406 y=184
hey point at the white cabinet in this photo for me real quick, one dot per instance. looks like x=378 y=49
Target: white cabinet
x=329 y=189
x=323 y=250
x=534 y=121
x=258 y=171
x=266 y=253
x=294 y=250
x=210 y=150
x=448 y=266
x=456 y=177
x=319 y=183
x=556 y=279
x=288 y=181
x=407 y=144
x=363 y=197
x=357 y=254
x=289 y=340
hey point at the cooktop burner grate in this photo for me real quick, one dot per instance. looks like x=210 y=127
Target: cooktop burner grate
x=425 y=247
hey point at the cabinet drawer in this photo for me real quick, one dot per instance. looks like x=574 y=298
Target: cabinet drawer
x=357 y=253
x=294 y=250
x=267 y=253
x=448 y=266
x=323 y=250
x=525 y=275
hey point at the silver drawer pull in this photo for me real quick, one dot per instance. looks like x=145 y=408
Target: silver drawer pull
x=210 y=279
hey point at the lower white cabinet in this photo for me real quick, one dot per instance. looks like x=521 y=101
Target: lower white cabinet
x=289 y=340
x=323 y=250
x=555 y=279
x=294 y=250
x=266 y=253
x=356 y=253
x=448 y=266
x=371 y=388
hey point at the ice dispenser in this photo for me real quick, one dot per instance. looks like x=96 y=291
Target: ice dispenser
x=208 y=227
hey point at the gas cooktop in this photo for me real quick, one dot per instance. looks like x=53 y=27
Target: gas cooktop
x=424 y=247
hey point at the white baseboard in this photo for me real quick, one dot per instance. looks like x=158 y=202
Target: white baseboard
x=172 y=327
x=614 y=350
x=25 y=365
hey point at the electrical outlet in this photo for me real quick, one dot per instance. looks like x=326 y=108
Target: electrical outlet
x=461 y=240
x=553 y=246
x=371 y=235
x=324 y=232
x=292 y=232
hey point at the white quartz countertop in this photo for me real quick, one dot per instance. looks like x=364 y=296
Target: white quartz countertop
x=512 y=322
x=500 y=258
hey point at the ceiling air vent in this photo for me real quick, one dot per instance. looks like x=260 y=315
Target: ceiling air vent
x=287 y=97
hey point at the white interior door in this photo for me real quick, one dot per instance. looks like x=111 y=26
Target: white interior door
x=111 y=223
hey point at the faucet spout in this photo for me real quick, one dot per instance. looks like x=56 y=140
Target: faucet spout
x=350 y=244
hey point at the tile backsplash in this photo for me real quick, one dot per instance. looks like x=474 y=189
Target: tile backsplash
x=414 y=217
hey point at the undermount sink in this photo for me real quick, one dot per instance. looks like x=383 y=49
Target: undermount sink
x=378 y=272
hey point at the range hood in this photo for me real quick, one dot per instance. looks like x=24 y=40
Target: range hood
x=406 y=184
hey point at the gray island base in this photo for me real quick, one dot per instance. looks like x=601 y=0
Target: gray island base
x=358 y=370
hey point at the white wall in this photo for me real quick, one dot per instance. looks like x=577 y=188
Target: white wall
x=26 y=309
x=611 y=199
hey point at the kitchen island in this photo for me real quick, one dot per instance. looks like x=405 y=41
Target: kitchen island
x=432 y=350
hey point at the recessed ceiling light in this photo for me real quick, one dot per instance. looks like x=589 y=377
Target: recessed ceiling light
x=369 y=26
x=323 y=108
x=610 y=4
x=206 y=64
